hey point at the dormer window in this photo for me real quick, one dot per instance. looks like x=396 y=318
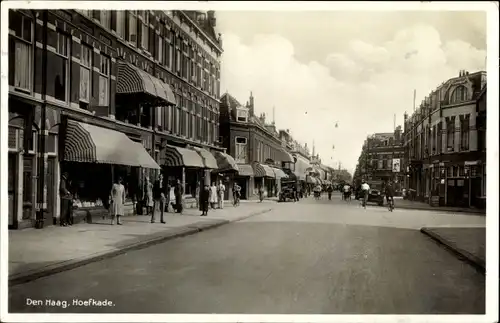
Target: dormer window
x=459 y=94
x=242 y=115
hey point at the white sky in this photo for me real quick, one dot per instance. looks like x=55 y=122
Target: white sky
x=354 y=68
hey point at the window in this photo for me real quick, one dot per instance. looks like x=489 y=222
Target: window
x=241 y=150
x=132 y=27
x=145 y=29
x=459 y=94
x=159 y=51
x=177 y=120
x=170 y=121
x=193 y=126
x=58 y=73
x=104 y=72
x=169 y=54
x=158 y=117
x=199 y=127
x=464 y=133
x=242 y=115
x=178 y=57
x=450 y=133
x=439 y=137
x=20 y=51
x=85 y=72
x=120 y=23
x=380 y=164
x=105 y=18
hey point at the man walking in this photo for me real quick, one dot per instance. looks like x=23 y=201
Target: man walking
x=178 y=192
x=365 y=189
x=159 y=198
x=330 y=191
x=66 y=201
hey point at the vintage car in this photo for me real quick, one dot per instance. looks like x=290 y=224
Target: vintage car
x=374 y=196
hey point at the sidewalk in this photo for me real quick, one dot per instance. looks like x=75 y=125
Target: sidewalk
x=466 y=243
x=400 y=203
x=37 y=253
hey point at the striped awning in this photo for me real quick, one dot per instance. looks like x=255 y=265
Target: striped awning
x=172 y=156
x=225 y=162
x=311 y=180
x=208 y=159
x=286 y=156
x=87 y=143
x=262 y=170
x=131 y=80
x=245 y=170
x=279 y=173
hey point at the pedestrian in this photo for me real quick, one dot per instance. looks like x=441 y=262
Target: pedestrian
x=66 y=201
x=197 y=194
x=213 y=195
x=346 y=190
x=236 y=194
x=261 y=193
x=159 y=198
x=330 y=191
x=221 y=189
x=117 y=199
x=365 y=189
x=148 y=196
x=178 y=193
x=204 y=200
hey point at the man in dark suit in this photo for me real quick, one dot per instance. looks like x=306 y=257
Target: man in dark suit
x=159 y=198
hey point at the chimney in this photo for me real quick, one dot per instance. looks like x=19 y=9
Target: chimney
x=251 y=106
x=211 y=18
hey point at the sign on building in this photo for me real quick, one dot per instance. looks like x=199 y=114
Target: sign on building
x=396 y=165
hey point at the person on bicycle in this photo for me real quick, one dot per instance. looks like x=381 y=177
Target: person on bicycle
x=389 y=193
x=330 y=191
x=365 y=189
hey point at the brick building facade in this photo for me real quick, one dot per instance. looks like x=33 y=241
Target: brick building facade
x=153 y=76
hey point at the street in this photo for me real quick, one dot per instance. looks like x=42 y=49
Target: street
x=309 y=257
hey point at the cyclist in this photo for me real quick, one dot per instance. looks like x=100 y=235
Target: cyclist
x=389 y=194
x=365 y=189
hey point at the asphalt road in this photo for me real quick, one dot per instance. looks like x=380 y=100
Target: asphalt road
x=310 y=257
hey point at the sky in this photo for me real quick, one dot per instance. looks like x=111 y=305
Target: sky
x=357 y=69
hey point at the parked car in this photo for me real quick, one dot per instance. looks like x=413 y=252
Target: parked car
x=374 y=196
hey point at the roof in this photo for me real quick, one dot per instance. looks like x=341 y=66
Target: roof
x=233 y=103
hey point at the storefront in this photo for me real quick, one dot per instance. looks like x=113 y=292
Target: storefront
x=265 y=178
x=94 y=158
x=245 y=179
x=279 y=174
x=227 y=170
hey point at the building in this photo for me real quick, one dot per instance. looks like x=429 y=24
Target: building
x=301 y=166
x=108 y=94
x=445 y=141
x=255 y=145
x=381 y=160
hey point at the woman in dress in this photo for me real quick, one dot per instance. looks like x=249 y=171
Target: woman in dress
x=117 y=199
x=148 y=198
x=213 y=195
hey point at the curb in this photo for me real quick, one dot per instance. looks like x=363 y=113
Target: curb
x=461 y=254
x=469 y=212
x=99 y=256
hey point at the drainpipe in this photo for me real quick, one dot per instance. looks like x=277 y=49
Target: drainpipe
x=42 y=158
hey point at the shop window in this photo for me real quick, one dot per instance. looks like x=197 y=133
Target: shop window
x=85 y=72
x=13 y=139
x=28 y=179
x=132 y=27
x=20 y=51
x=104 y=80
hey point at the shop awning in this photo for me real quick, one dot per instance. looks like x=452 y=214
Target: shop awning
x=132 y=80
x=87 y=143
x=286 y=156
x=245 y=170
x=311 y=180
x=279 y=173
x=172 y=156
x=208 y=159
x=262 y=170
x=225 y=162
x=145 y=159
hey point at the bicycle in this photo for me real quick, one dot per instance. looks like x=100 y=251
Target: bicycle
x=236 y=200
x=390 y=204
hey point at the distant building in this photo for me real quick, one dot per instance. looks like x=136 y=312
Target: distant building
x=255 y=145
x=445 y=142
